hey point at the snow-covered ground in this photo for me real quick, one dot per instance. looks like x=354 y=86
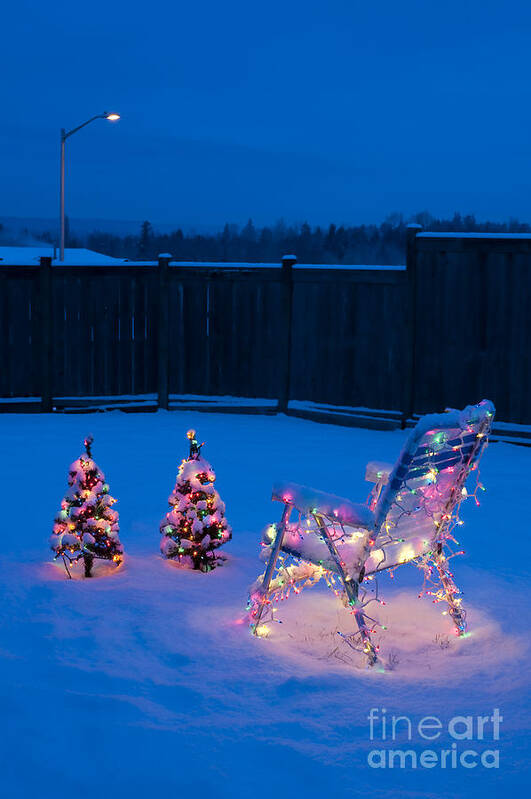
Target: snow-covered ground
x=144 y=683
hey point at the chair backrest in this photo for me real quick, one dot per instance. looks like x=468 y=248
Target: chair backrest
x=428 y=480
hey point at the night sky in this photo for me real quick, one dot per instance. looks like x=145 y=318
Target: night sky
x=323 y=111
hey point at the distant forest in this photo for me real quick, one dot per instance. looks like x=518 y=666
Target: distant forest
x=359 y=244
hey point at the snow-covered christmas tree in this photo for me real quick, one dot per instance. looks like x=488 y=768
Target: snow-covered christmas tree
x=195 y=526
x=86 y=527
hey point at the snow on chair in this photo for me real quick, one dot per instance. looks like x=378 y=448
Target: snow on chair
x=410 y=517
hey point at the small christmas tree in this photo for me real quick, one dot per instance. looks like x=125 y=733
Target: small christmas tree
x=195 y=526
x=86 y=526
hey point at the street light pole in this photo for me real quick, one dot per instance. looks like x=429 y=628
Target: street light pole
x=112 y=117
x=62 y=197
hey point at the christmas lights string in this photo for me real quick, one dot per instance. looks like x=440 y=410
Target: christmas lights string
x=86 y=528
x=428 y=496
x=195 y=526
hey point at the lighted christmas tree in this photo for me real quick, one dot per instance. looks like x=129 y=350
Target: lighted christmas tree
x=86 y=527
x=195 y=526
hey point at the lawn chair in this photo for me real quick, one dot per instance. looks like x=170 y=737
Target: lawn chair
x=411 y=515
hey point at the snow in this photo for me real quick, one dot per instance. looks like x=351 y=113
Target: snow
x=473 y=235
x=367 y=267
x=378 y=470
x=274 y=265
x=79 y=256
x=313 y=549
x=306 y=499
x=457 y=419
x=74 y=256
x=151 y=662
x=227 y=265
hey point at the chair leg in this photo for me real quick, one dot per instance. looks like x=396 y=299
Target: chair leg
x=368 y=646
x=351 y=589
x=264 y=589
x=450 y=590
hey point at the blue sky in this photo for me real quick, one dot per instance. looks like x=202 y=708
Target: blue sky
x=325 y=111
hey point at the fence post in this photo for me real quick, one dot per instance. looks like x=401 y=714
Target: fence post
x=163 y=333
x=411 y=362
x=286 y=313
x=45 y=333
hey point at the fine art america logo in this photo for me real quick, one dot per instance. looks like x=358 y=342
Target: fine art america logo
x=472 y=741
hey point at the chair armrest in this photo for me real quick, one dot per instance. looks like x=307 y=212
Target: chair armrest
x=311 y=500
x=378 y=472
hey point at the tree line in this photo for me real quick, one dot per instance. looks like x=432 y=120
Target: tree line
x=383 y=244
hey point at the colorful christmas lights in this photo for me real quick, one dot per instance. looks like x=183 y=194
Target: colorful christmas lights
x=416 y=510
x=86 y=528
x=195 y=526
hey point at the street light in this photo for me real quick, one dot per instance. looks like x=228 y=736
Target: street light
x=112 y=117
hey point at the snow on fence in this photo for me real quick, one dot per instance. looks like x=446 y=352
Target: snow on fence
x=451 y=327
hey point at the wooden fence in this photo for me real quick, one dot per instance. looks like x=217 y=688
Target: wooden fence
x=472 y=300
x=452 y=328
